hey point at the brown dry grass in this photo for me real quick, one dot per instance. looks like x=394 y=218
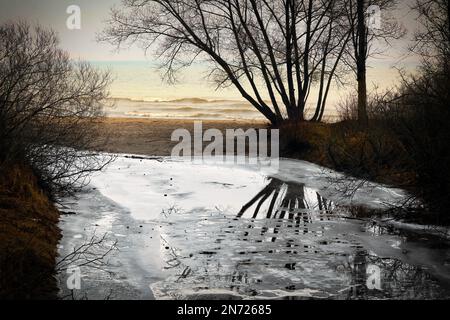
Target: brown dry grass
x=28 y=237
x=373 y=154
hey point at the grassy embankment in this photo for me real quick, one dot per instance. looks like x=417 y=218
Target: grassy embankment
x=28 y=237
x=370 y=154
x=375 y=154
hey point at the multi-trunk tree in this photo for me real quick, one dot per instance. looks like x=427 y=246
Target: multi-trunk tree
x=272 y=52
x=281 y=55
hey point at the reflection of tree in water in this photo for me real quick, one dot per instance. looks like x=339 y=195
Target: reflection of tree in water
x=287 y=201
x=290 y=198
x=358 y=269
x=292 y=212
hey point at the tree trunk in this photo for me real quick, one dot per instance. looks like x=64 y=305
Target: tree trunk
x=361 y=65
x=362 y=99
x=298 y=113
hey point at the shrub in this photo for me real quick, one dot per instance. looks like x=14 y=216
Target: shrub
x=49 y=108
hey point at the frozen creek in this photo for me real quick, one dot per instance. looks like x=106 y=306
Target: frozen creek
x=203 y=231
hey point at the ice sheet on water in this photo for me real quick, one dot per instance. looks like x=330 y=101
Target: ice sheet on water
x=292 y=253
x=234 y=231
x=338 y=187
x=146 y=187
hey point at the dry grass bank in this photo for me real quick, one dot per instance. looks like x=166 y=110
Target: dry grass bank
x=28 y=237
x=377 y=153
x=371 y=154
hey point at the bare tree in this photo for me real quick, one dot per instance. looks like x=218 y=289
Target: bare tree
x=368 y=40
x=334 y=45
x=432 y=40
x=272 y=52
x=424 y=98
x=49 y=108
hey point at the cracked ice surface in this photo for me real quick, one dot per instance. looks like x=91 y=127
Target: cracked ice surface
x=197 y=231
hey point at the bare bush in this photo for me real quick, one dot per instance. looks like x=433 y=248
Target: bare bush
x=92 y=254
x=409 y=131
x=50 y=107
x=381 y=104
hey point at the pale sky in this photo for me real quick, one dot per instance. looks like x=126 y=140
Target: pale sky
x=81 y=44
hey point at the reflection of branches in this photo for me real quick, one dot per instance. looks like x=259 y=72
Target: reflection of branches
x=73 y=296
x=288 y=198
x=171 y=210
x=397 y=278
x=175 y=261
x=91 y=254
x=347 y=186
x=262 y=196
x=358 y=287
x=185 y=273
x=396 y=271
